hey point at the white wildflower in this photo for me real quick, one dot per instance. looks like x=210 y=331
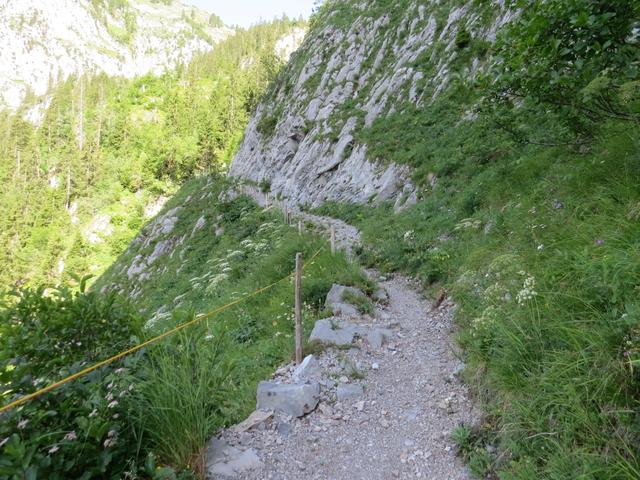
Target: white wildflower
x=528 y=290
x=71 y=436
x=109 y=442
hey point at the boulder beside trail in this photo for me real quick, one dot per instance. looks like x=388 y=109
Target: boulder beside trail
x=309 y=369
x=333 y=331
x=296 y=400
x=336 y=302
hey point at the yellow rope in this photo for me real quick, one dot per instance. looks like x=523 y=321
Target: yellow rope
x=120 y=355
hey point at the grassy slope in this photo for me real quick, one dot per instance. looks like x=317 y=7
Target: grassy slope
x=553 y=365
x=254 y=248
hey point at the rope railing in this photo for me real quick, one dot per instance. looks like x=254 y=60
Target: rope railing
x=198 y=319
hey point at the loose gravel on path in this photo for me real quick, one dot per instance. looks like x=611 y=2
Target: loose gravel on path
x=400 y=427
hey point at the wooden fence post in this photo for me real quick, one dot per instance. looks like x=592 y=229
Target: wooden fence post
x=333 y=240
x=299 y=227
x=298 y=307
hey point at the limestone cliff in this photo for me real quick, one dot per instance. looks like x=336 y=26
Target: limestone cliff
x=360 y=62
x=46 y=42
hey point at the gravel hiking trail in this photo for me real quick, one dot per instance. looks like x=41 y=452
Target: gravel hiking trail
x=401 y=425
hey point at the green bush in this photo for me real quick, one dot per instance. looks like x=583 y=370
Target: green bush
x=576 y=58
x=463 y=38
x=83 y=429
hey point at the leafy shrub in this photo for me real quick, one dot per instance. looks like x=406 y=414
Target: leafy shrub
x=269 y=121
x=574 y=57
x=83 y=429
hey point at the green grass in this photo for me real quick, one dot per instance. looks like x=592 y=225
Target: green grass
x=552 y=367
x=207 y=378
x=181 y=395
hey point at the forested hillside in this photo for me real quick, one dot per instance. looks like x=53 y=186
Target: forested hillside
x=77 y=186
x=44 y=43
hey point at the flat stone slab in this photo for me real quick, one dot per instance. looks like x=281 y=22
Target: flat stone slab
x=349 y=391
x=344 y=309
x=224 y=460
x=333 y=331
x=309 y=369
x=296 y=400
x=253 y=420
x=336 y=296
x=378 y=336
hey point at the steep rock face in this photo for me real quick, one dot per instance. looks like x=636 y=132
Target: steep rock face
x=46 y=42
x=361 y=61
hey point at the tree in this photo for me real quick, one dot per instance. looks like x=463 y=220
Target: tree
x=580 y=58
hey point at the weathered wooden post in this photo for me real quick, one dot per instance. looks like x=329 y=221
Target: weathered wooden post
x=298 y=307
x=333 y=240
x=299 y=227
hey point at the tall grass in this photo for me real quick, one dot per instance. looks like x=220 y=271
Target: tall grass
x=181 y=396
x=555 y=369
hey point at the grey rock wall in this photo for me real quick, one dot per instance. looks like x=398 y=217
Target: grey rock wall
x=340 y=81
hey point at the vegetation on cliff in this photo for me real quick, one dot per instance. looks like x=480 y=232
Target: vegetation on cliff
x=529 y=218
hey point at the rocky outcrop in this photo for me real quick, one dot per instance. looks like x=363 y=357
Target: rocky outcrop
x=46 y=42
x=296 y=399
x=305 y=139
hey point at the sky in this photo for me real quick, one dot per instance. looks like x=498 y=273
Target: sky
x=248 y=12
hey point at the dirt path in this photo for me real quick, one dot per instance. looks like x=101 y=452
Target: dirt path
x=400 y=427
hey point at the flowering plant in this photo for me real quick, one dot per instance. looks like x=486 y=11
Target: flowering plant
x=82 y=429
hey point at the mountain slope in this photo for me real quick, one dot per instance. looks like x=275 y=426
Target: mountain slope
x=46 y=42
x=360 y=63
x=107 y=151
x=522 y=156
